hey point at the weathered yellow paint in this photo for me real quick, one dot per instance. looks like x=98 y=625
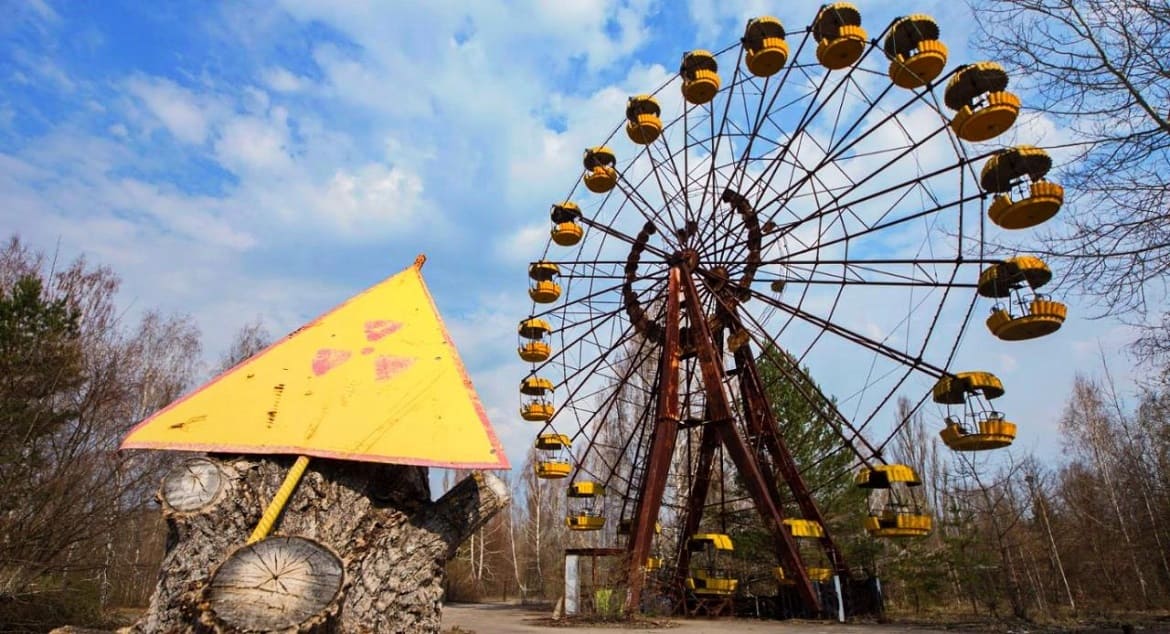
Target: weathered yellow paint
x=376 y=379
x=717 y=540
x=804 y=528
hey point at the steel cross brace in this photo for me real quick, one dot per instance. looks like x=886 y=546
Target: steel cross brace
x=745 y=461
x=662 y=442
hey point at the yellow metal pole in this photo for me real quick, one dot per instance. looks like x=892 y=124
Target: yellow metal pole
x=279 y=500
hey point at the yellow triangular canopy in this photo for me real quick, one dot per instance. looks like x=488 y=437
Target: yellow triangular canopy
x=376 y=379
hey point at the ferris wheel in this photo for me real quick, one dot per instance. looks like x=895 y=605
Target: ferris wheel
x=811 y=197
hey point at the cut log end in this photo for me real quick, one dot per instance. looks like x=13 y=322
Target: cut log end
x=193 y=485
x=497 y=487
x=276 y=584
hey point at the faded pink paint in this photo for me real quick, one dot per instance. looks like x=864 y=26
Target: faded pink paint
x=378 y=328
x=386 y=367
x=368 y=350
x=327 y=359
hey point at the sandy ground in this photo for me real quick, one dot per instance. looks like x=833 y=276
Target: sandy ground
x=496 y=618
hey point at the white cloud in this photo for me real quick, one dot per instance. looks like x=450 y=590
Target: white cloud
x=190 y=216
x=714 y=17
x=375 y=194
x=248 y=144
x=396 y=86
x=49 y=71
x=43 y=10
x=524 y=245
x=179 y=110
x=283 y=80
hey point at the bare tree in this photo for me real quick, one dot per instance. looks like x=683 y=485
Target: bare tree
x=1036 y=495
x=1093 y=433
x=251 y=338
x=1101 y=68
x=544 y=532
x=479 y=565
x=70 y=497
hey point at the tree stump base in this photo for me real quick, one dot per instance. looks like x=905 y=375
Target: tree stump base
x=359 y=548
x=276 y=584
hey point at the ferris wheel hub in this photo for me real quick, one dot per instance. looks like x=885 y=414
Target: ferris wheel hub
x=687 y=258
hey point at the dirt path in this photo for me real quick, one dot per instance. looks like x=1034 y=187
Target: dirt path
x=497 y=618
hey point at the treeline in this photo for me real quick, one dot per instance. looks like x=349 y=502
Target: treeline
x=79 y=530
x=1014 y=536
x=1085 y=536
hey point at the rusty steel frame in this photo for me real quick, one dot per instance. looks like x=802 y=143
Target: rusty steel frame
x=662 y=442
x=720 y=429
x=723 y=421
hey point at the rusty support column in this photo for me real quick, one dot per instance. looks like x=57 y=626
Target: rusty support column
x=662 y=441
x=757 y=406
x=745 y=461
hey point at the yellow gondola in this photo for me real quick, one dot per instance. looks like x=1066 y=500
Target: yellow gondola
x=544 y=290
x=710 y=575
x=558 y=465
x=893 y=522
x=700 y=75
x=586 y=489
x=820 y=575
x=533 y=347
x=600 y=172
x=916 y=55
x=992 y=432
x=566 y=231
x=808 y=534
x=553 y=442
x=537 y=411
x=815 y=574
x=840 y=38
x=1006 y=170
x=586 y=519
x=537 y=406
x=954 y=390
x=1017 y=279
x=895 y=501
x=883 y=475
x=643 y=122
x=986 y=428
x=998 y=280
x=804 y=529
x=984 y=108
x=553 y=469
x=766 y=52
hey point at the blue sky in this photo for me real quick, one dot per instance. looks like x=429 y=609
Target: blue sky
x=271 y=159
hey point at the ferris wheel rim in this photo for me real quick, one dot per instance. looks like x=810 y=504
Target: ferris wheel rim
x=799 y=219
